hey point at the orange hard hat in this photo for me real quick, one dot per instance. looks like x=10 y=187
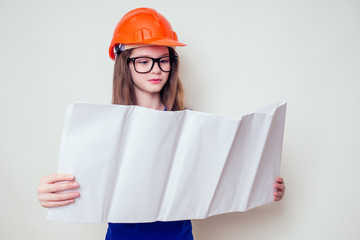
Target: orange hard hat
x=143 y=26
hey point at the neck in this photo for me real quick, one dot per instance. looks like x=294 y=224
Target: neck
x=149 y=100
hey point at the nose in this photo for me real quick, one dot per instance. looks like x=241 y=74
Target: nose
x=156 y=67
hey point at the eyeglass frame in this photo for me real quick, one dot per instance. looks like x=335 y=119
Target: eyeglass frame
x=173 y=60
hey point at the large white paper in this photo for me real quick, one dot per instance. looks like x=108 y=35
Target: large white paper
x=135 y=164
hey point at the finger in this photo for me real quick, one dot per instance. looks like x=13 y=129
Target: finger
x=59 y=187
x=57 y=178
x=277 y=199
x=279 y=187
x=278 y=196
x=58 y=197
x=279 y=180
x=56 y=204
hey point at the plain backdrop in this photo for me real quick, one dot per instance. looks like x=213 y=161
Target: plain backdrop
x=240 y=55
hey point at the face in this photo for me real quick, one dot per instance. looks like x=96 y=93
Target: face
x=153 y=81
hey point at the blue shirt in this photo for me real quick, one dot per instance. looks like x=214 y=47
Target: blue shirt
x=175 y=230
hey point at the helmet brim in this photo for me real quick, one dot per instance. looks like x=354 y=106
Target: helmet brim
x=158 y=42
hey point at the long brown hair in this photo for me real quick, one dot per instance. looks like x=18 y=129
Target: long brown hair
x=171 y=95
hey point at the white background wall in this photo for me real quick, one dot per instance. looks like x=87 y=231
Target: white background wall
x=241 y=55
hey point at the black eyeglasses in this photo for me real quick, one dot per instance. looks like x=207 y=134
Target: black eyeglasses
x=145 y=64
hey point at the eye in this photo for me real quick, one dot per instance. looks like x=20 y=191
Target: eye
x=165 y=60
x=142 y=61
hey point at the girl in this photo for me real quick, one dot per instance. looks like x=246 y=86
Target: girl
x=145 y=74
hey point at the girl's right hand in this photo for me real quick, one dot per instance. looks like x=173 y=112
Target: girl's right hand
x=50 y=190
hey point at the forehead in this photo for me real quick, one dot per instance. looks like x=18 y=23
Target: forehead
x=150 y=51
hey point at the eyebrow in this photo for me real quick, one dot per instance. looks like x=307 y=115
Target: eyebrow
x=163 y=55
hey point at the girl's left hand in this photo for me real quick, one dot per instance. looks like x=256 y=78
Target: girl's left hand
x=279 y=185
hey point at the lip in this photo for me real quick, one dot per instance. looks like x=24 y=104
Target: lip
x=155 y=80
